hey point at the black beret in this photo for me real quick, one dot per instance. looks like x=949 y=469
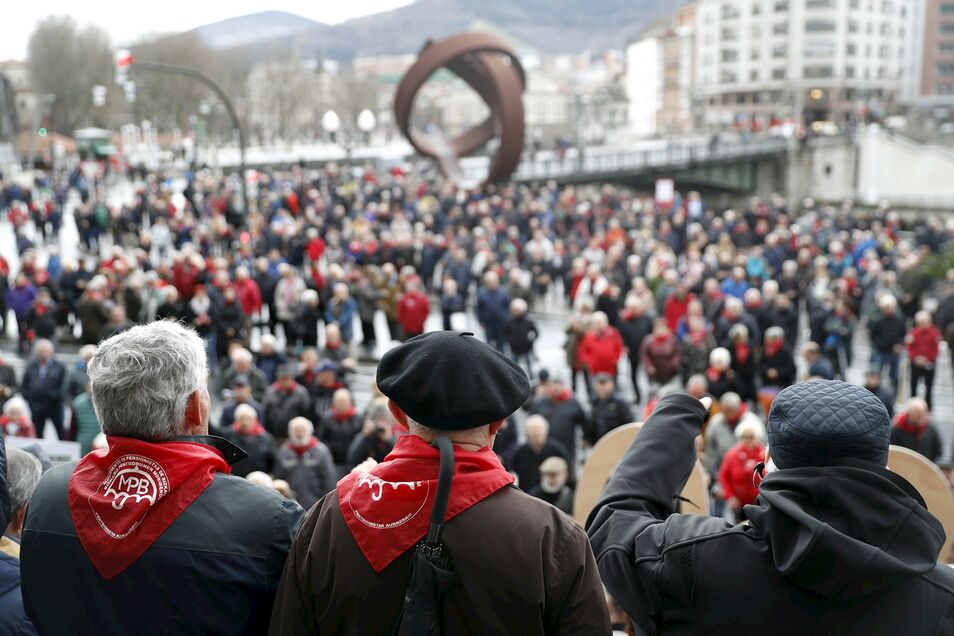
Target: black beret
x=451 y=381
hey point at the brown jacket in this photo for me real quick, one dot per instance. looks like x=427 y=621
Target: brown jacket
x=524 y=567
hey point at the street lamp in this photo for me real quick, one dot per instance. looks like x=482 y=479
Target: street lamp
x=366 y=124
x=331 y=124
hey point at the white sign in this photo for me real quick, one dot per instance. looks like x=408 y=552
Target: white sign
x=665 y=192
x=59 y=451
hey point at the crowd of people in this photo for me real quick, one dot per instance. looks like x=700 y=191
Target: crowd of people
x=285 y=298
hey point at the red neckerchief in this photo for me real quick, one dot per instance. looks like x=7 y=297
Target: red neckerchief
x=713 y=375
x=734 y=421
x=257 y=429
x=741 y=352
x=301 y=450
x=389 y=508
x=909 y=427
x=563 y=396
x=773 y=346
x=343 y=416
x=698 y=338
x=123 y=498
x=288 y=391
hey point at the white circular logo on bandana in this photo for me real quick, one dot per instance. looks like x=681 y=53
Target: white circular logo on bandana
x=132 y=486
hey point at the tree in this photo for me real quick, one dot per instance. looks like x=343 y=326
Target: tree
x=66 y=61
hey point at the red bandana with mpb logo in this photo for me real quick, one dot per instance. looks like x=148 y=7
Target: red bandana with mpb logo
x=123 y=499
x=388 y=510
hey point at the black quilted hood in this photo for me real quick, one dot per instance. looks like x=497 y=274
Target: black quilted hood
x=845 y=531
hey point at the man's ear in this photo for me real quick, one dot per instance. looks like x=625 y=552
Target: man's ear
x=398 y=414
x=19 y=518
x=192 y=424
x=495 y=427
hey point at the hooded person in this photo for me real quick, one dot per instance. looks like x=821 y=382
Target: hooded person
x=523 y=567
x=152 y=535
x=835 y=543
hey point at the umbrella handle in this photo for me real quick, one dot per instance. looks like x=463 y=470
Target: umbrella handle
x=446 y=475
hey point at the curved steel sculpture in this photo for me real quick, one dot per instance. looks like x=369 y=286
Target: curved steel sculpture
x=488 y=65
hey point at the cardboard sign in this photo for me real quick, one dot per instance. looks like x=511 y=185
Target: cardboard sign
x=933 y=486
x=602 y=462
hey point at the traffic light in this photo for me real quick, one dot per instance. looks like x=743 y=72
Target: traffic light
x=123 y=59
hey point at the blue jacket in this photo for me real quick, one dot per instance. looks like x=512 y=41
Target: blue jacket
x=19 y=299
x=215 y=570
x=13 y=619
x=493 y=307
x=343 y=315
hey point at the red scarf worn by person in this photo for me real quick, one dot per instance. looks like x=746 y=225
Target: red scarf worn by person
x=123 y=498
x=388 y=509
x=772 y=347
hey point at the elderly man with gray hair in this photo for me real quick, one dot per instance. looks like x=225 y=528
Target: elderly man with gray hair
x=152 y=534
x=19 y=474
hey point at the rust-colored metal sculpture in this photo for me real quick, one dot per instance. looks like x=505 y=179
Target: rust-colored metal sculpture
x=490 y=67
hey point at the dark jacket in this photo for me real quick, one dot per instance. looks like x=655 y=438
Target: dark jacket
x=213 y=571
x=526 y=461
x=835 y=550
x=13 y=618
x=311 y=474
x=338 y=435
x=784 y=363
x=46 y=391
x=887 y=332
x=564 y=417
x=606 y=415
x=926 y=442
x=634 y=330
x=520 y=333
x=282 y=406
x=259 y=448
x=535 y=576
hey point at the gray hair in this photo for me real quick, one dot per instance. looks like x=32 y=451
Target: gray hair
x=141 y=379
x=23 y=473
x=16 y=403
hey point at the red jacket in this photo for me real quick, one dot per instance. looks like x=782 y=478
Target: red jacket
x=924 y=342
x=736 y=472
x=675 y=309
x=249 y=295
x=661 y=357
x=413 y=309
x=600 y=351
x=185 y=277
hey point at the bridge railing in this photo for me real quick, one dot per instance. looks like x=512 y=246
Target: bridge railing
x=672 y=155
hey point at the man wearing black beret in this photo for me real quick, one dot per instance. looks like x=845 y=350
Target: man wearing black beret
x=523 y=566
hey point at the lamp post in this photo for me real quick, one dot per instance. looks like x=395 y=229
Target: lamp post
x=331 y=124
x=366 y=124
x=237 y=130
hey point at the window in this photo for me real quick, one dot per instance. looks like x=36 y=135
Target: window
x=849 y=72
x=740 y=98
x=945 y=89
x=754 y=54
x=729 y=55
x=947 y=68
x=728 y=77
x=947 y=8
x=851 y=48
x=756 y=9
x=854 y=4
x=886 y=28
x=819 y=72
x=756 y=31
x=884 y=52
x=819 y=49
x=781 y=5
x=780 y=28
x=946 y=48
x=820 y=4
x=779 y=51
x=819 y=26
x=729 y=12
x=947 y=27
x=852 y=26
x=753 y=75
x=778 y=73
x=729 y=34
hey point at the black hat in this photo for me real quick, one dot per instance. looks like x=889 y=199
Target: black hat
x=451 y=381
x=818 y=422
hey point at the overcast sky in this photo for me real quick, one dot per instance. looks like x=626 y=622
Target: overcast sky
x=128 y=20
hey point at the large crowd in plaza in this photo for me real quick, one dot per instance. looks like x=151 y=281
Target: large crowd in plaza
x=714 y=302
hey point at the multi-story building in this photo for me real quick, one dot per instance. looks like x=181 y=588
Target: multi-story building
x=808 y=60
x=660 y=76
x=937 y=76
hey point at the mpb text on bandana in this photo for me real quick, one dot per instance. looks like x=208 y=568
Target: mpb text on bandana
x=123 y=499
